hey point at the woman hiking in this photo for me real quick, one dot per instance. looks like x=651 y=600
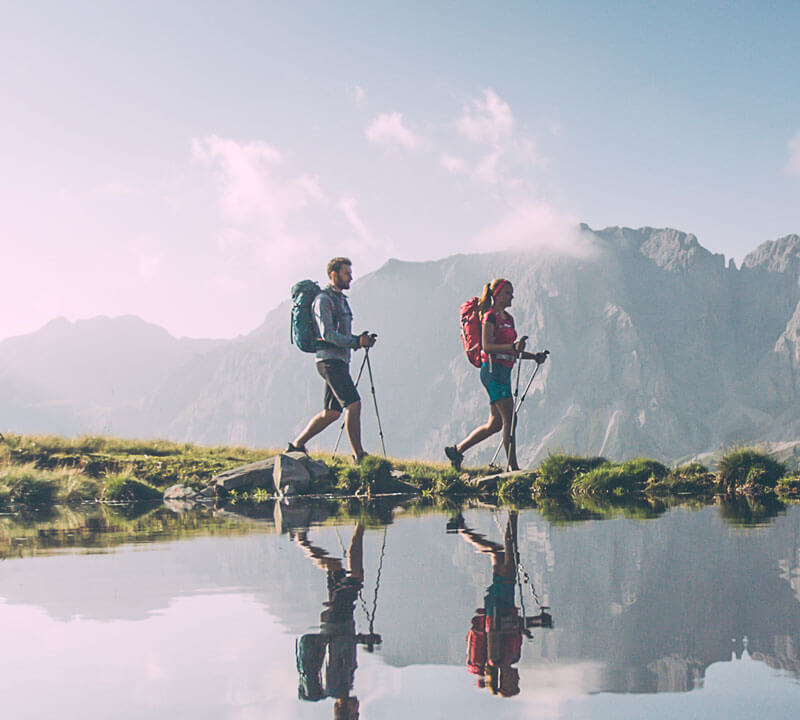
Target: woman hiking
x=499 y=350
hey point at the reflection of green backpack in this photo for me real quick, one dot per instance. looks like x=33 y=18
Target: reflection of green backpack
x=304 y=332
x=310 y=652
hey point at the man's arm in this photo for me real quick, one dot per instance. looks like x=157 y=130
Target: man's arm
x=323 y=312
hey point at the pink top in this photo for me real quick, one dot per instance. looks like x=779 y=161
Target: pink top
x=504 y=334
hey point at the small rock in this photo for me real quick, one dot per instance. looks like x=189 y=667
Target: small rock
x=179 y=492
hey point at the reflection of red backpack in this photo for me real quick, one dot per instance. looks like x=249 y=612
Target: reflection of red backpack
x=506 y=635
x=471 y=330
x=476 y=644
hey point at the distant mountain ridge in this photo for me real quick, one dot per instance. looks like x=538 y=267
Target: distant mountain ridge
x=658 y=348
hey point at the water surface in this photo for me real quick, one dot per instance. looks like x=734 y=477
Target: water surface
x=210 y=615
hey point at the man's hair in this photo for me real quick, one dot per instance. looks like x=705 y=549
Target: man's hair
x=336 y=264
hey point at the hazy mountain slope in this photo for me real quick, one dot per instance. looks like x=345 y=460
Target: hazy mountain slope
x=658 y=348
x=89 y=375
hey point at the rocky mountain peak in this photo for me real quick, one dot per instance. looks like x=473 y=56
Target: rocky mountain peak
x=668 y=248
x=781 y=255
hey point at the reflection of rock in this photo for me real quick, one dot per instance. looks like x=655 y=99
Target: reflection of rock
x=180 y=498
x=295 y=513
x=677 y=674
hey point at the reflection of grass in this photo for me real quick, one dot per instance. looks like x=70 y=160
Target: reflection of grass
x=749 y=510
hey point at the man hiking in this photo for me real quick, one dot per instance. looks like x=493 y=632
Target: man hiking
x=334 y=319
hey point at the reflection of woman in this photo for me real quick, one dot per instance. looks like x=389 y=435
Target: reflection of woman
x=500 y=350
x=326 y=661
x=494 y=640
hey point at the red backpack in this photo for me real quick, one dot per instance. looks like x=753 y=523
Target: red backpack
x=471 y=330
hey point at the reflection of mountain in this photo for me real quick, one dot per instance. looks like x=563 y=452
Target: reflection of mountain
x=652 y=604
x=658 y=348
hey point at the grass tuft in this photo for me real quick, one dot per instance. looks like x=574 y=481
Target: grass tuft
x=749 y=470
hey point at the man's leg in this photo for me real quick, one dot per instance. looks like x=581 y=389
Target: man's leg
x=353 y=411
x=316 y=425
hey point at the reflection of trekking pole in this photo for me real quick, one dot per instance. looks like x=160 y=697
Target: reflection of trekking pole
x=374 y=399
x=341 y=428
x=517 y=407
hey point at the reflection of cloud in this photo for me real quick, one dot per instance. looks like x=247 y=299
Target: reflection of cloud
x=388 y=129
x=794 y=155
x=536 y=226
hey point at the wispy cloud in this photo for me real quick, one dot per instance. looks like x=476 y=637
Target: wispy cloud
x=348 y=206
x=255 y=185
x=793 y=165
x=389 y=129
x=488 y=125
x=359 y=95
x=486 y=120
x=536 y=226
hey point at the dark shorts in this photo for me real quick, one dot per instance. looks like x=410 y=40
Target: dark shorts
x=339 y=388
x=497 y=382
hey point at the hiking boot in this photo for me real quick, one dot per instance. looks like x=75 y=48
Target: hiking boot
x=358 y=460
x=454 y=456
x=293 y=448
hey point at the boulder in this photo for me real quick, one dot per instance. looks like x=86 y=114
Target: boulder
x=317 y=469
x=290 y=476
x=258 y=474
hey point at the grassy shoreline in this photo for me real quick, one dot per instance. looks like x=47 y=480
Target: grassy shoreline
x=39 y=471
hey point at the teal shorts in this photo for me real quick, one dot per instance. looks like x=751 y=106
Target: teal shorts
x=497 y=382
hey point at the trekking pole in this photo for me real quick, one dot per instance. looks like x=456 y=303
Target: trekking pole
x=341 y=427
x=374 y=399
x=516 y=410
x=512 y=442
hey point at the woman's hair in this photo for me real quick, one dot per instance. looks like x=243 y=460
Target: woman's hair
x=487 y=296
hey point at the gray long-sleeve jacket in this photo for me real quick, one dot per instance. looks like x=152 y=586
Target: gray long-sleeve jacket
x=334 y=320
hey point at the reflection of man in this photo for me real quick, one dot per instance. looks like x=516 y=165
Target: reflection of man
x=326 y=661
x=494 y=640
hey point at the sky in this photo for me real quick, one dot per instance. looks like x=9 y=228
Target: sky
x=187 y=162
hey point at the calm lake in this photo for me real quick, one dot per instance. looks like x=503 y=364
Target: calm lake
x=398 y=611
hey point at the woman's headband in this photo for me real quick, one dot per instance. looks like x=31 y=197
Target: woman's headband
x=499 y=287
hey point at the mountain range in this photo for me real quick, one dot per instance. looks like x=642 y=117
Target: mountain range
x=658 y=348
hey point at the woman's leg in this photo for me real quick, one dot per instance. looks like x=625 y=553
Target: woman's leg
x=505 y=407
x=493 y=424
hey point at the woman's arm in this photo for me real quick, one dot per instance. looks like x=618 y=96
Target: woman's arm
x=488 y=343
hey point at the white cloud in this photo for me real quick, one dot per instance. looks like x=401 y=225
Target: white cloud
x=794 y=155
x=536 y=226
x=487 y=120
x=255 y=186
x=453 y=164
x=388 y=129
x=501 y=153
x=359 y=95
